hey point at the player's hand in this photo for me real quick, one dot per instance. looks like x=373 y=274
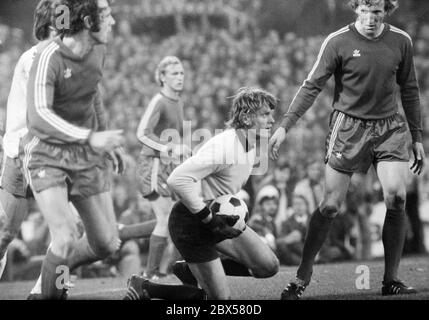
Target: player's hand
x=222 y=224
x=275 y=141
x=117 y=157
x=419 y=158
x=105 y=140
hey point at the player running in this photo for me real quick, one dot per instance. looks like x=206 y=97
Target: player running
x=164 y=112
x=14 y=191
x=63 y=154
x=222 y=166
x=369 y=60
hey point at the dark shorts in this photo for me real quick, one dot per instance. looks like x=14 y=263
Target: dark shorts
x=77 y=167
x=353 y=145
x=192 y=238
x=152 y=174
x=12 y=179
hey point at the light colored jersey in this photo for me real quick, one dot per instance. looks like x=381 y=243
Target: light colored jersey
x=222 y=165
x=17 y=104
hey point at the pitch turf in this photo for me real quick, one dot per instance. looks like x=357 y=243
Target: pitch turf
x=330 y=282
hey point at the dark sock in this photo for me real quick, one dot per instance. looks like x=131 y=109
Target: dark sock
x=317 y=233
x=174 y=292
x=156 y=250
x=49 y=276
x=393 y=236
x=138 y=230
x=82 y=254
x=234 y=268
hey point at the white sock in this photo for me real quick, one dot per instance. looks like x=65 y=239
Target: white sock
x=37 y=289
x=3 y=263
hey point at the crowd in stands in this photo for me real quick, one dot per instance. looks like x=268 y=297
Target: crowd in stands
x=217 y=63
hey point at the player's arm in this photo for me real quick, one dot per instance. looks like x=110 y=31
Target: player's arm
x=40 y=90
x=407 y=80
x=100 y=111
x=145 y=130
x=325 y=65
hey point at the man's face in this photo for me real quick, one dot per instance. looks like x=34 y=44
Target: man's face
x=269 y=207
x=106 y=22
x=299 y=206
x=371 y=17
x=174 y=77
x=263 y=122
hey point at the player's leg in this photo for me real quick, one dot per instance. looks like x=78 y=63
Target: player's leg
x=336 y=185
x=393 y=178
x=101 y=234
x=13 y=211
x=250 y=256
x=171 y=255
x=137 y=230
x=53 y=203
x=161 y=206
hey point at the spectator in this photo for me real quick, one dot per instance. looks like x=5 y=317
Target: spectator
x=290 y=240
x=311 y=187
x=263 y=221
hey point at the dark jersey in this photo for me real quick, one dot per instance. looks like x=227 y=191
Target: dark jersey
x=63 y=99
x=367 y=74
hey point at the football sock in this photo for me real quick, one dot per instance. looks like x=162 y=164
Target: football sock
x=3 y=262
x=317 y=233
x=393 y=237
x=156 y=250
x=49 y=276
x=174 y=292
x=138 y=230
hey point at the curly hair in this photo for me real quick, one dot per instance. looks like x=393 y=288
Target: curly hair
x=246 y=103
x=43 y=16
x=389 y=5
x=78 y=10
x=162 y=67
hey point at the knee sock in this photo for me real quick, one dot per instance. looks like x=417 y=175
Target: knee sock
x=138 y=230
x=174 y=292
x=318 y=230
x=393 y=237
x=49 y=276
x=156 y=250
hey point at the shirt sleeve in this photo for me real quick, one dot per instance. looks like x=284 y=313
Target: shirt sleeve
x=184 y=180
x=100 y=112
x=148 y=122
x=407 y=80
x=41 y=116
x=324 y=67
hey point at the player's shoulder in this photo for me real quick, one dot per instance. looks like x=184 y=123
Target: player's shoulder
x=399 y=34
x=25 y=60
x=338 y=35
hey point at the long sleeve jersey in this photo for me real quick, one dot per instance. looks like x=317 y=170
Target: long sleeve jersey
x=162 y=113
x=17 y=104
x=367 y=74
x=63 y=99
x=222 y=165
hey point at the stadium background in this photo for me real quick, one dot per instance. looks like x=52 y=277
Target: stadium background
x=224 y=45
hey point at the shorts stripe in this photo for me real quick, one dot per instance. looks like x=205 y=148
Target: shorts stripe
x=27 y=157
x=154 y=175
x=334 y=134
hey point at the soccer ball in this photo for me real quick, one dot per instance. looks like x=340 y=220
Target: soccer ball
x=229 y=204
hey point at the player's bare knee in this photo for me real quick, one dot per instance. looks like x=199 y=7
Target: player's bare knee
x=130 y=248
x=268 y=269
x=64 y=243
x=330 y=210
x=395 y=199
x=105 y=248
